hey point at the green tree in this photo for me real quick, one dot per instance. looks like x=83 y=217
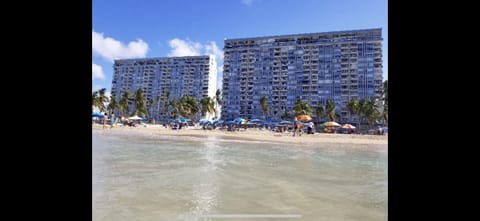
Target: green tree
x=264 y=105
x=158 y=100
x=94 y=99
x=353 y=107
x=207 y=106
x=319 y=111
x=302 y=107
x=150 y=106
x=385 y=113
x=176 y=106
x=362 y=108
x=140 y=101
x=371 y=111
x=124 y=103
x=385 y=101
x=331 y=106
x=113 y=105
x=188 y=106
x=99 y=99
x=167 y=103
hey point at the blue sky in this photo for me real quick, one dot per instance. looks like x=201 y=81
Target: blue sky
x=160 y=28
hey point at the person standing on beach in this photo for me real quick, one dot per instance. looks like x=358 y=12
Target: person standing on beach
x=295 y=126
x=105 y=118
x=112 y=120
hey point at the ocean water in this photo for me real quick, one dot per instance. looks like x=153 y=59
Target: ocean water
x=153 y=177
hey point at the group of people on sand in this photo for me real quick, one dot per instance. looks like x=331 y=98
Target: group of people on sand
x=112 y=120
x=298 y=128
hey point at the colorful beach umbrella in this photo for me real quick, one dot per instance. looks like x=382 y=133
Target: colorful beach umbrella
x=348 y=126
x=304 y=117
x=331 y=124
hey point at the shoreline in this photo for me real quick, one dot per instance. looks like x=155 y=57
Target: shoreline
x=248 y=135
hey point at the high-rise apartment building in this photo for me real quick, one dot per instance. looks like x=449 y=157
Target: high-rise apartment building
x=313 y=67
x=191 y=75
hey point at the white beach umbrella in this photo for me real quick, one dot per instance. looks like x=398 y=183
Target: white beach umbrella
x=135 y=118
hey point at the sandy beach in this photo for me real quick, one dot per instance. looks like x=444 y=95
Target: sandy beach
x=250 y=134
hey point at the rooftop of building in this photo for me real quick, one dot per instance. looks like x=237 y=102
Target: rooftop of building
x=307 y=34
x=165 y=58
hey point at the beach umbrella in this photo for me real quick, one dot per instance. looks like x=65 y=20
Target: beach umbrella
x=348 y=126
x=239 y=120
x=135 y=118
x=331 y=124
x=285 y=122
x=255 y=120
x=97 y=114
x=217 y=122
x=304 y=117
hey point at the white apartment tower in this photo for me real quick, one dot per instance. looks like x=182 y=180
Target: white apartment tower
x=313 y=67
x=195 y=76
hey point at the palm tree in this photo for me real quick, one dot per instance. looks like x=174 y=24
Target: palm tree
x=150 y=106
x=94 y=99
x=207 y=105
x=159 y=99
x=124 y=103
x=371 y=111
x=385 y=113
x=188 y=106
x=352 y=106
x=176 y=106
x=264 y=105
x=166 y=103
x=319 y=111
x=362 y=108
x=302 y=107
x=218 y=101
x=330 y=106
x=99 y=99
x=113 y=105
x=385 y=101
x=140 y=103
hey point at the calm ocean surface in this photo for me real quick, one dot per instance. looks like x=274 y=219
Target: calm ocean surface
x=158 y=178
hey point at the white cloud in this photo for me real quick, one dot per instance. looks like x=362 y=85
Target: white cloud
x=184 y=48
x=212 y=48
x=112 y=49
x=97 y=72
x=247 y=2
x=187 y=47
